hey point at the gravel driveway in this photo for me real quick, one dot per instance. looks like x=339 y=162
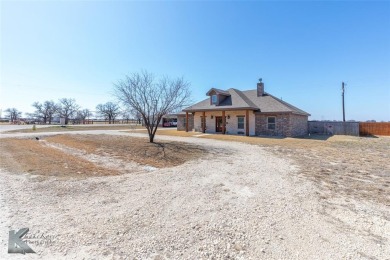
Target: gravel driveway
x=241 y=202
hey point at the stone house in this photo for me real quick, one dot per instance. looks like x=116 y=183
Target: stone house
x=250 y=112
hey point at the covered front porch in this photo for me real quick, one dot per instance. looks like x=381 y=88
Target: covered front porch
x=221 y=121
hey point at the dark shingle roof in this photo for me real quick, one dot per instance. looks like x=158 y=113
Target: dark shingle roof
x=247 y=100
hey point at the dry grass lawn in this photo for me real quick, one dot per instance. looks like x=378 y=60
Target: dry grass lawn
x=24 y=155
x=158 y=154
x=340 y=165
x=38 y=157
x=68 y=128
x=170 y=132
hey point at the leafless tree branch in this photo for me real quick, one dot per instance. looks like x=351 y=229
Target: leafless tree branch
x=152 y=99
x=109 y=111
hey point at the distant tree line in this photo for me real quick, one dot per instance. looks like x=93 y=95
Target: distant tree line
x=13 y=114
x=141 y=94
x=68 y=109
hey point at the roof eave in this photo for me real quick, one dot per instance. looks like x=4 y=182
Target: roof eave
x=219 y=109
x=283 y=112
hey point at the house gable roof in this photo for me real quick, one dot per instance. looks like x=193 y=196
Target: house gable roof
x=234 y=100
x=268 y=103
x=248 y=99
x=217 y=91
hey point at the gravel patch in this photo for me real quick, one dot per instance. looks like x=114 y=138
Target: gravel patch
x=244 y=203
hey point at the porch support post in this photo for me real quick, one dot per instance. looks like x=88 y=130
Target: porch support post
x=186 y=121
x=204 y=122
x=223 y=122
x=247 y=123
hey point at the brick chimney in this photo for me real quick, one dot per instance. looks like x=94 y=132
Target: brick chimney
x=260 y=88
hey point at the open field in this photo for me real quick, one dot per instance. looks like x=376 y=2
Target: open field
x=197 y=196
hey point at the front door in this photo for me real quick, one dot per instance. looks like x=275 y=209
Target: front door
x=218 y=124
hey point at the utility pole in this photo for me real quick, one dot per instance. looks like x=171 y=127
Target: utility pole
x=342 y=94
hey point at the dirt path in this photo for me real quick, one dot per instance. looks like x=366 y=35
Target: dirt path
x=245 y=203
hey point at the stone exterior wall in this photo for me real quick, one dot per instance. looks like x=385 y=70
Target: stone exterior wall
x=281 y=128
x=299 y=125
x=181 y=122
x=289 y=125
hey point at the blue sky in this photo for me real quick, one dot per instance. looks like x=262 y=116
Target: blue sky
x=303 y=50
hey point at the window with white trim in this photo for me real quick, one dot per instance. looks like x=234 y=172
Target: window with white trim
x=271 y=121
x=240 y=122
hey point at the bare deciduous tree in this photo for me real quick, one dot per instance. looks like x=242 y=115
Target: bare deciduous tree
x=127 y=115
x=109 y=111
x=130 y=114
x=68 y=108
x=46 y=110
x=151 y=99
x=82 y=115
x=13 y=114
x=138 y=116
